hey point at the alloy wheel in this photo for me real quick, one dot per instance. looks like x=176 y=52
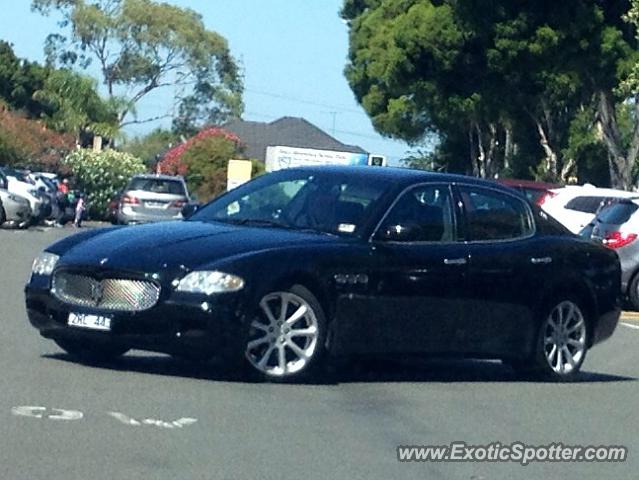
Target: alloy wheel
x=564 y=338
x=283 y=337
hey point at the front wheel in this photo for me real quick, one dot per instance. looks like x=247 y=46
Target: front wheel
x=286 y=335
x=561 y=344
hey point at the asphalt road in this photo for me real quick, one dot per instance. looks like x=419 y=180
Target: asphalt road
x=151 y=417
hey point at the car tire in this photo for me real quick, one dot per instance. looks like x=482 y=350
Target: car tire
x=286 y=337
x=91 y=352
x=633 y=292
x=3 y=215
x=561 y=342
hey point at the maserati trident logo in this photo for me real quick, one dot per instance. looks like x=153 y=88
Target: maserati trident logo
x=97 y=293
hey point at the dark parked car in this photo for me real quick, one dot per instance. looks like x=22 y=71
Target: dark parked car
x=536 y=192
x=617 y=227
x=306 y=263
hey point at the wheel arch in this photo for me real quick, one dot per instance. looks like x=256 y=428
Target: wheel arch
x=571 y=288
x=313 y=284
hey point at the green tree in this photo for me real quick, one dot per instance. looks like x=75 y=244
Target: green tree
x=19 y=79
x=151 y=147
x=617 y=89
x=141 y=46
x=76 y=107
x=487 y=73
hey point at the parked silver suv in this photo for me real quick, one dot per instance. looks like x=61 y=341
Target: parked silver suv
x=152 y=198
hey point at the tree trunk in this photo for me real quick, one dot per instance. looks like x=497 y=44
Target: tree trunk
x=509 y=148
x=620 y=162
x=551 y=155
x=473 y=150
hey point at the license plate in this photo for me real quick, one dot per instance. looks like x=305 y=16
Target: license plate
x=155 y=204
x=93 y=322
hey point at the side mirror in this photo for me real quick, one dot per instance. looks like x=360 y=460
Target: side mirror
x=397 y=233
x=189 y=209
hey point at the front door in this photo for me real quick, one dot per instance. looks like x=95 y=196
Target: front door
x=417 y=276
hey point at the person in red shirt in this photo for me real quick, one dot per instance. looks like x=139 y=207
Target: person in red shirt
x=63 y=187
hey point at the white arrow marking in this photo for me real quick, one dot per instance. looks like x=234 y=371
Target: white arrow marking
x=28 y=411
x=65 y=414
x=125 y=419
x=41 y=412
x=182 y=422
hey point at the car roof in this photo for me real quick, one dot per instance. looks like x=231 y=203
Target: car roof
x=404 y=176
x=158 y=176
x=532 y=184
x=592 y=191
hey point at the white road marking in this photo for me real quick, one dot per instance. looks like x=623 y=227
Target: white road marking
x=57 y=414
x=125 y=419
x=630 y=325
x=41 y=412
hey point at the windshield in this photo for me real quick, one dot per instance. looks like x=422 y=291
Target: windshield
x=157 y=185
x=329 y=203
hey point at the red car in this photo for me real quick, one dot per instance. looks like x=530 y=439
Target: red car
x=535 y=192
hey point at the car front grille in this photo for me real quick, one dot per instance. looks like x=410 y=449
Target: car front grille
x=113 y=294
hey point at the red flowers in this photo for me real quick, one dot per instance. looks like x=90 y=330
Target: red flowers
x=173 y=163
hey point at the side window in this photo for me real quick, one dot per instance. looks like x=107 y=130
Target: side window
x=422 y=214
x=492 y=215
x=586 y=204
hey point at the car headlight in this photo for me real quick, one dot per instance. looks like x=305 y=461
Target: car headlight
x=44 y=263
x=209 y=282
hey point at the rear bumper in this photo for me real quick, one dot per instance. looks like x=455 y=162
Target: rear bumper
x=606 y=325
x=126 y=217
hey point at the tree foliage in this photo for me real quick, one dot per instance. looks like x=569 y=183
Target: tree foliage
x=19 y=79
x=152 y=146
x=76 y=107
x=487 y=76
x=141 y=46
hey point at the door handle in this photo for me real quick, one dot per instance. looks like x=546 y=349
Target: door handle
x=454 y=261
x=540 y=260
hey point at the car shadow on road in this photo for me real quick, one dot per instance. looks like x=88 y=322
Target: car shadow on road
x=369 y=370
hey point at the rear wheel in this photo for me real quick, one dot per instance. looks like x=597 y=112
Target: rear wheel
x=633 y=292
x=3 y=215
x=562 y=343
x=91 y=352
x=286 y=335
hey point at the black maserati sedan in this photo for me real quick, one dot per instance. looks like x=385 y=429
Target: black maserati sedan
x=302 y=266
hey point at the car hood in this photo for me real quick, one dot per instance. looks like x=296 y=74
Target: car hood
x=185 y=245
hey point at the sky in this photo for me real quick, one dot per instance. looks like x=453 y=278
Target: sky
x=292 y=52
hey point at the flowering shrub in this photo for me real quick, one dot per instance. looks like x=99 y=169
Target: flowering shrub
x=101 y=175
x=203 y=160
x=25 y=142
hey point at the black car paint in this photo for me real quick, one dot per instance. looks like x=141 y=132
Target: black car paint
x=381 y=296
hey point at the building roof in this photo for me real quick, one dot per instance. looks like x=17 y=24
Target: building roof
x=284 y=132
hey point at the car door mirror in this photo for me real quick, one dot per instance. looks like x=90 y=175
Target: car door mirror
x=397 y=233
x=189 y=209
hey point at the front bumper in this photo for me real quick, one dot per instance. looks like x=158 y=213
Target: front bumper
x=177 y=325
